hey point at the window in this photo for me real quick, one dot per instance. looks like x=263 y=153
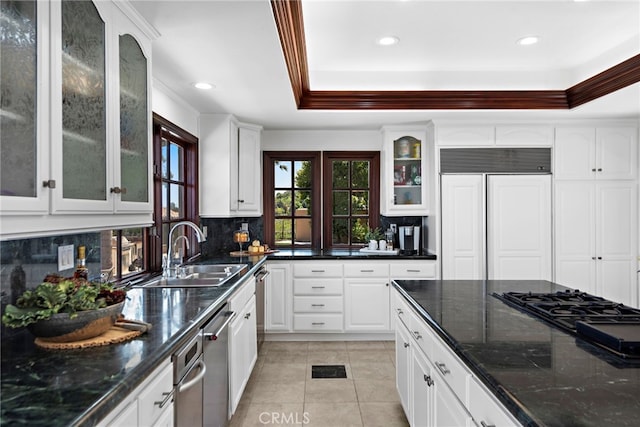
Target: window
x=351 y=197
x=122 y=253
x=175 y=187
x=294 y=204
x=292 y=201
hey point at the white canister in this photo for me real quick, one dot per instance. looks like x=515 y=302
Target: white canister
x=373 y=245
x=382 y=245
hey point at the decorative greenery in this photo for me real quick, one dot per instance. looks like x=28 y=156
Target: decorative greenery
x=65 y=296
x=374 y=234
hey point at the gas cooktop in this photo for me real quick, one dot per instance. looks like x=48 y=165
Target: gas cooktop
x=613 y=326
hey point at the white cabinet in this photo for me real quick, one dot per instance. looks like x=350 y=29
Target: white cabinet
x=318 y=301
x=150 y=404
x=243 y=350
x=93 y=141
x=366 y=297
x=277 y=298
x=509 y=135
x=435 y=387
x=596 y=153
x=230 y=167
x=406 y=175
x=471 y=135
x=596 y=244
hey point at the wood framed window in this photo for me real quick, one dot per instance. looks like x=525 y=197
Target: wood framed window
x=292 y=205
x=351 y=195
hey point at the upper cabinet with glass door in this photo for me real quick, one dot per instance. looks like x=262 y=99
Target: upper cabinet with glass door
x=406 y=172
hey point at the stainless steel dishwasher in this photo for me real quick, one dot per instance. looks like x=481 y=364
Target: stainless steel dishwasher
x=200 y=375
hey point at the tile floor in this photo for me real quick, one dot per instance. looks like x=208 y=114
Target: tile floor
x=281 y=391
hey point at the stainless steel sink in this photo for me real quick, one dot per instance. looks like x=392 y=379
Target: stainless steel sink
x=199 y=275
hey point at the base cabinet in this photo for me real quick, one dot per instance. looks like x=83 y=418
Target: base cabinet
x=150 y=404
x=243 y=352
x=277 y=298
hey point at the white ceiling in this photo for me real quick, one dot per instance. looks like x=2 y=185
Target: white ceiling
x=443 y=45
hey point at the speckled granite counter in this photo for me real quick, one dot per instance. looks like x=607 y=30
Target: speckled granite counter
x=79 y=387
x=301 y=254
x=543 y=375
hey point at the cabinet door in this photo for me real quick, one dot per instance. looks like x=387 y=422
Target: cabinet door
x=616 y=153
x=422 y=386
x=616 y=240
x=277 y=298
x=403 y=367
x=242 y=352
x=519 y=227
x=575 y=227
x=447 y=409
x=524 y=135
x=249 y=171
x=132 y=188
x=24 y=145
x=367 y=305
x=80 y=132
x=574 y=153
x=463 y=219
x=468 y=136
x=127 y=417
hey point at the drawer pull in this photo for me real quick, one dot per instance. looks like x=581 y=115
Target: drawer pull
x=428 y=379
x=366 y=271
x=317 y=271
x=317 y=305
x=406 y=345
x=443 y=368
x=399 y=311
x=246 y=316
x=483 y=424
x=317 y=287
x=167 y=396
x=317 y=323
x=417 y=335
x=412 y=271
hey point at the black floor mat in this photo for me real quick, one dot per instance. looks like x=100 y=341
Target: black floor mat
x=328 y=371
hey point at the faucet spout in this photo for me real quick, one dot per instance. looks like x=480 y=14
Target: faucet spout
x=199 y=236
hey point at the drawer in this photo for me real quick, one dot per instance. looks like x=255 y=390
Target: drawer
x=240 y=297
x=148 y=407
x=420 y=332
x=317 y=269
x=317 y=322
x=422 y=270
x=452 y=370
x=317 y=287
x=400 y=309
x=485 y=409
x=359 y=269
x=319 y=304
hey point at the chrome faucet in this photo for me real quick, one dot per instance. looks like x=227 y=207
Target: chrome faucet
x=186 y=242
x=199 y=235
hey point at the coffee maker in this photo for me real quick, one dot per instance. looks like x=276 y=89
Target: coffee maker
x=409 y=239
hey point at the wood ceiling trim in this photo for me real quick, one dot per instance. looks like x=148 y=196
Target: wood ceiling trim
x=289 y=21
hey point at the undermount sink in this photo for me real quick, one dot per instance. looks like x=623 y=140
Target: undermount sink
x=198 y=275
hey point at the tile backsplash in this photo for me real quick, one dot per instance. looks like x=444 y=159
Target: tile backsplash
x=220 y=233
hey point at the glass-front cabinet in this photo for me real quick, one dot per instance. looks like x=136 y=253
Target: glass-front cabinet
x=76 y=117
x=406 y=172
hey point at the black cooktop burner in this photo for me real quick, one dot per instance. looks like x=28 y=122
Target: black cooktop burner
x=572 y=310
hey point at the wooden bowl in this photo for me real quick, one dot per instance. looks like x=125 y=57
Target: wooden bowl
x=86 y=324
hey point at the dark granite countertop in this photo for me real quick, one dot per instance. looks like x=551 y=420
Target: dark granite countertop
x=341 y=254
x=79 y=387
x=542 y=374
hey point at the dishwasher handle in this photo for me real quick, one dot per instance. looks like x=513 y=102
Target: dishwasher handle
x=186 y=386
x=214 y=336
x=262 y=274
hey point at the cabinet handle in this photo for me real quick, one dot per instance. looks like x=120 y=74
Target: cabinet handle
x=593 y=169
x=412 y=271
x=317 y=323
x=483 y=424
x=417 y=335
x=593 y=258
x=428 y=379
x=317 y=271
x=317 y=287
x=406 y=345
x=443 y=368
x=366 y=271
x=317 y=305
x=167 y=396
x=115 y=190
x=240 y=201
x=400 y=312
x=599 y=169
x=51 y=183
x=599 y=257
x=246 y=316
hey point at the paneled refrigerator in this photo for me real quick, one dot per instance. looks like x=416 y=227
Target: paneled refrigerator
x=496 y=226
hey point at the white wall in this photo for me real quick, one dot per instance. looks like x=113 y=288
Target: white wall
x=321 y=140
x=166 y=103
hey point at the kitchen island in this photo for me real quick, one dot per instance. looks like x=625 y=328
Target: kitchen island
x=541 y=374
x=80 y=387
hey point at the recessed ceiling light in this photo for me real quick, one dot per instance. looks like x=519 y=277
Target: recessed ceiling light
x=388 y=40
x=203 y=85
x=529 y=40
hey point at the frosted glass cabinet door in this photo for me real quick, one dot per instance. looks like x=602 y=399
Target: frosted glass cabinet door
x=134 y=127
x=84 y=148
x=19 y=153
